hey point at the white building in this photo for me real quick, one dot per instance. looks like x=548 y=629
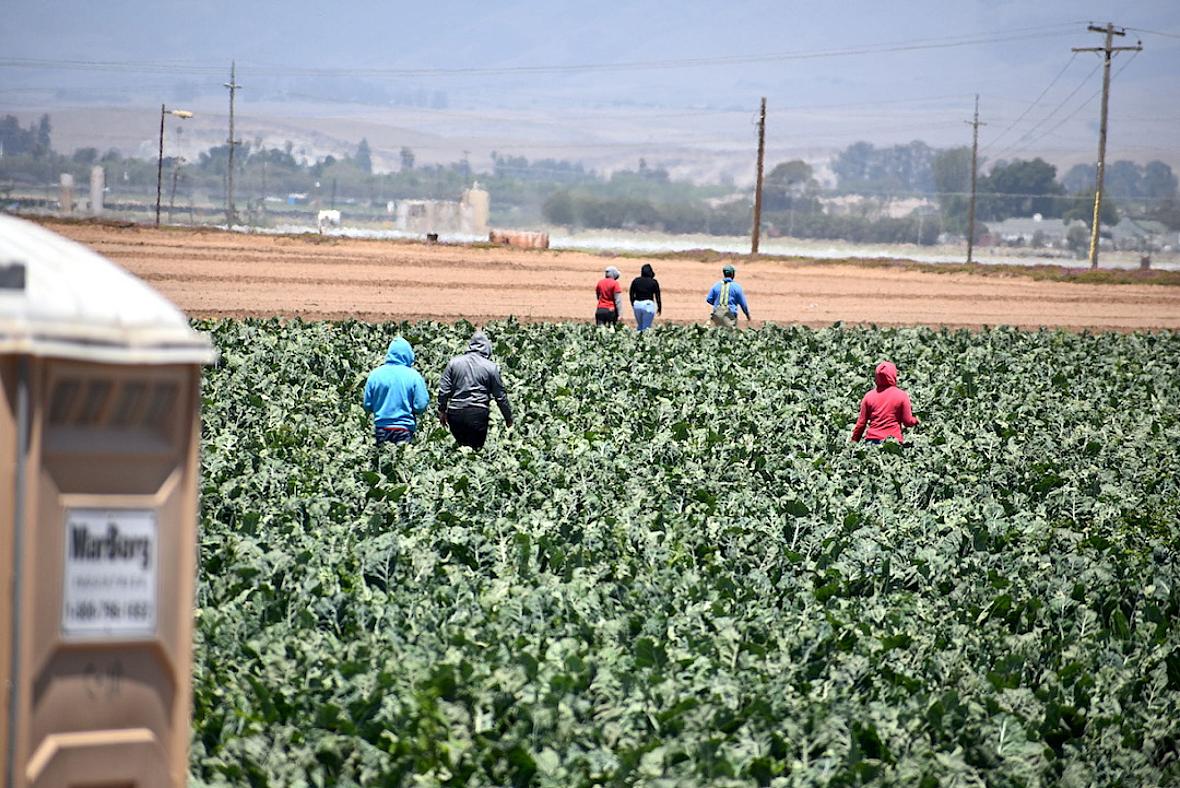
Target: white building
x=468 y=216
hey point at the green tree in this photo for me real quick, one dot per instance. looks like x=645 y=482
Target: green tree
x=85 y=156
x=900 y=168
x=364 y=157
x=1077 y=237
x=1079 y=178
x=852 y=165
x=1082 y=209
x=44 y=146
x=1159 y=182
x=1168 y=212
x=1123 y=179
x=559 y=209
x=786 y=184
x=407 y=159
x=1019 y=188
x=951 y=171
x=14 y=140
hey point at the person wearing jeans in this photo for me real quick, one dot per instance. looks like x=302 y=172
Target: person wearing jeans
x=645 y=297
x=468 y=385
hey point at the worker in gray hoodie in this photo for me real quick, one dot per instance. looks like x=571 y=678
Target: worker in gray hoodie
x=468 y=384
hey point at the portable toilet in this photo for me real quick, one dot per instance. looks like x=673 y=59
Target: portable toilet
x=99 y=432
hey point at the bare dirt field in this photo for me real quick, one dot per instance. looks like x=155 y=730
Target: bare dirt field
x=210 y=273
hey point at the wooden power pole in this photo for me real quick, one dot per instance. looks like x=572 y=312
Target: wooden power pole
x=758 y=179
x=1108 y=52
x=234 y=87
x=160 y=166
x=975 y=124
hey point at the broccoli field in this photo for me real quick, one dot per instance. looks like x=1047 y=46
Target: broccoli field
x=676 y=569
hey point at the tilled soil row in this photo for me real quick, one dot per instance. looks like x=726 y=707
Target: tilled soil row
x=212 y=274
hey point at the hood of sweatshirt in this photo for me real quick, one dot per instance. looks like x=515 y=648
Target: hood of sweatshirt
x=480 y=344
x=647 y=271
x=400 y=353
x=886 y=375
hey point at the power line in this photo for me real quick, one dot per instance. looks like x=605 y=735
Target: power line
x=1077 y=109
x=1153 y=32
x=1042 y=121
x=1036 y=101
x=668 y=64
x=615 y=112
x=1018 y=34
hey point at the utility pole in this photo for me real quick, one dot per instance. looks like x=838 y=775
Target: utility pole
x=975 y=124
x=1108 y=52
x=758 y=179
x=172 y=199
x=234 y=87
x=182 y=114
x=160 y=165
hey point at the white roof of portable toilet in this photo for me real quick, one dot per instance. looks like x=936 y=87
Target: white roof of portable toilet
x=75 y=303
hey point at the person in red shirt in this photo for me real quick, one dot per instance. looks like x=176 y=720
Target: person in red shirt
x=610 y=298
x=885 y=410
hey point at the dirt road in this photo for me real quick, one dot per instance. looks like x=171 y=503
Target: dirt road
x=211 y=273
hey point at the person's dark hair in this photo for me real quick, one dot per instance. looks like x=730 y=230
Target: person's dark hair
x=647 y=270
x=728 y=271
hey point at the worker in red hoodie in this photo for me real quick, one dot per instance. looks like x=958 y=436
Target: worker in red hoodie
x=885 y=410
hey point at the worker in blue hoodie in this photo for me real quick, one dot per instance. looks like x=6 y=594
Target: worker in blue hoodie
x=395 y=394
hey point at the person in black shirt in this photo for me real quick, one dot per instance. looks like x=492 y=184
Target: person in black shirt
x=645 y=297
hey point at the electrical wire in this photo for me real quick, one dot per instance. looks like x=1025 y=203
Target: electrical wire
x=1080 y=107
x=1153 y=32
x=1036 y=101
x=177 y=67
x=1045 y=119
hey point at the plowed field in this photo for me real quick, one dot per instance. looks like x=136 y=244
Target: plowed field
x=218 y=274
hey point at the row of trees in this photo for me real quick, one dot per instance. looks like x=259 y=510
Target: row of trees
x=565 y=192
x=520 y=186
x=917 y=168
x=1024 y=188
x=33 y=142
x=1125 y=180
x=800 y=218
x=1020 y=187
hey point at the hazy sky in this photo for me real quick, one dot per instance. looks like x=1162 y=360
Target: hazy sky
x=301 y=50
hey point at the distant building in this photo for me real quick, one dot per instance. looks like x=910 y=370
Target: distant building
x=468 y=216
x=1029 y=231
x=427 y=216
x=875 y=207
x=1141 y=235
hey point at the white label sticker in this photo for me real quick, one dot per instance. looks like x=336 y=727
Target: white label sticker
x=110 y=572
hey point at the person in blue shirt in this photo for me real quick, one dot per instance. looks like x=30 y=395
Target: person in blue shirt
x=396 y=394
x=725 y=298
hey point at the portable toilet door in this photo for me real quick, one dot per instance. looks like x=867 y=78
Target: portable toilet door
x=99 y=433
